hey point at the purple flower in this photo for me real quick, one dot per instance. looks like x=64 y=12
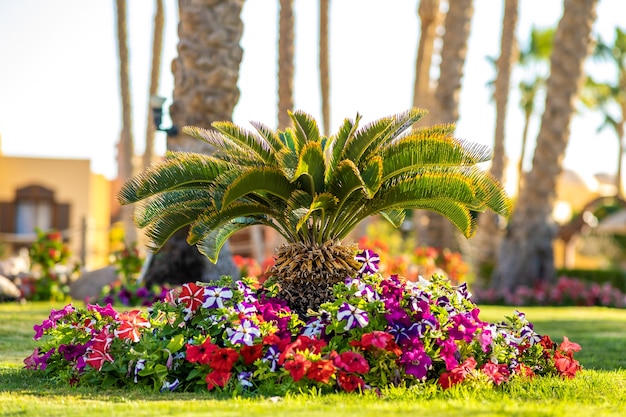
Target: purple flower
x=272 y=356
x=139 y=366
x=36 y=361
x=71 y=352
x=244 y=379
x=143 y=292
x=215 y=296
x=416 y=362
x=449 y=353
x=462 y=328
x=246 y=308
x=244 y=333
x=56 y=315
x=104 y=311
x=392 y=288
x=313 y=328
x=248 y=293
x=353 y=316
x=369 y=260
x=170 y=386
x=41 y=328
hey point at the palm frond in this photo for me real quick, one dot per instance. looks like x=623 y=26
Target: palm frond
x=269 y=135
x=189 y=202
x=180 y=170
x=247 y=140
x=211 y=245
x=305 y=128
x=256 y=181
x=311 y=164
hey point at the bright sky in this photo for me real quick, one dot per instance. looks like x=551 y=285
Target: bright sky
x=59 y=89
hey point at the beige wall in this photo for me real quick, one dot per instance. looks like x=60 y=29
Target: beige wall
x=72 y=182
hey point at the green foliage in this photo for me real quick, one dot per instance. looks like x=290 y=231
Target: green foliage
x=311 y=188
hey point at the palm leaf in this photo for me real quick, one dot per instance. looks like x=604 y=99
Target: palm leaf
x=312 y=165
x=247 y=140
x=211 y=245
x=258 y=181
x=187 y=202
x=180 y=170
x=305 y=128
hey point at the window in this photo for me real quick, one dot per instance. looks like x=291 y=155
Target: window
x=32 y=214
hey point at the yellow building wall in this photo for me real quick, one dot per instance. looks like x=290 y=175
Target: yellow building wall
x=72 y=182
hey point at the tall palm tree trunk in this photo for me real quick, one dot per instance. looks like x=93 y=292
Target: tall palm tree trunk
x=430 y=17
x=125 y=146
x=434 y=229
x=285 y=62
x=205 y=90
x=155 y=74
x=526 y=256
x=487 y=237
x=324 y=66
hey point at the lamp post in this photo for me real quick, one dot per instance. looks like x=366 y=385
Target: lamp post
x=156 y=105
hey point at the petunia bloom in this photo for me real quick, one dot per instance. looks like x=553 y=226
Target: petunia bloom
x=351 y=361
x=130 y=325
x=244 y=334
x=350 y=382
x=369 y=260
x=497 y=373
x=298 y=366
x=321 y=371
x=215 y=296
x=201 y=353
x=217 y=378
x=223 y=359
x=353 y=316
x=192 y=297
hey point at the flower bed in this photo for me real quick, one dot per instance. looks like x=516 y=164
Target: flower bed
x=232 y=336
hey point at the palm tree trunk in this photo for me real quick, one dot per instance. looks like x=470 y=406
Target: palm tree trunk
x=324 y=66
x=522 y=156
x=155 y=73
x=526 y=256
x=434 y=229
x=205 y=90
x=488 y=234
x=430 y=18
x=125 y=147
x=285 y=62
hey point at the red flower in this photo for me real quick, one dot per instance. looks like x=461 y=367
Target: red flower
x=497 y=373
x=458 y=374
x=223 y=359
x=130 y=323
x=298 y=367
x=566 y=365
x=192 y=296
x=301 y=344
x=377 y=339
x=217 y=379
x=524 y=370
x=321 y=371
x=568 y=348
x=201 y=353
x=546 y=342
x=251 y=353
x=349 y=382
x=98 y=352
x=352 y=362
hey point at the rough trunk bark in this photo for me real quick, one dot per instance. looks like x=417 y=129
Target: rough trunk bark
x=526 y=256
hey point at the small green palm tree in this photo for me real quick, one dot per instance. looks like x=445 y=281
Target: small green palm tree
x=313 y=190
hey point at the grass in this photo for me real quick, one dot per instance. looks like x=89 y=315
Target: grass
x=600 y=390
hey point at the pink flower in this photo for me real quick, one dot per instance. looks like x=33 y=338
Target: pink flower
x=568 y=348
x=497 y=373
x=98 y=352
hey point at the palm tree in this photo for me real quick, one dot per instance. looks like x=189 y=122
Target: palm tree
x=324 y=66
x=538 y=52
x=155 y=73
x=313 y=190
x=285 y=62
x=430 y=18
x=609 y=98
x=433 y=229
x=205 y=90
x=526 y=256
x=487 y=238
x=125 y=145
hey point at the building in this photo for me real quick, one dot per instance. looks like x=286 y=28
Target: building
x=59 y=194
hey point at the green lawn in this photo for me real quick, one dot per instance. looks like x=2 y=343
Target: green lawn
x=600 y=390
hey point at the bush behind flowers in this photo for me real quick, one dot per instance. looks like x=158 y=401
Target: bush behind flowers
x=230 y=336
